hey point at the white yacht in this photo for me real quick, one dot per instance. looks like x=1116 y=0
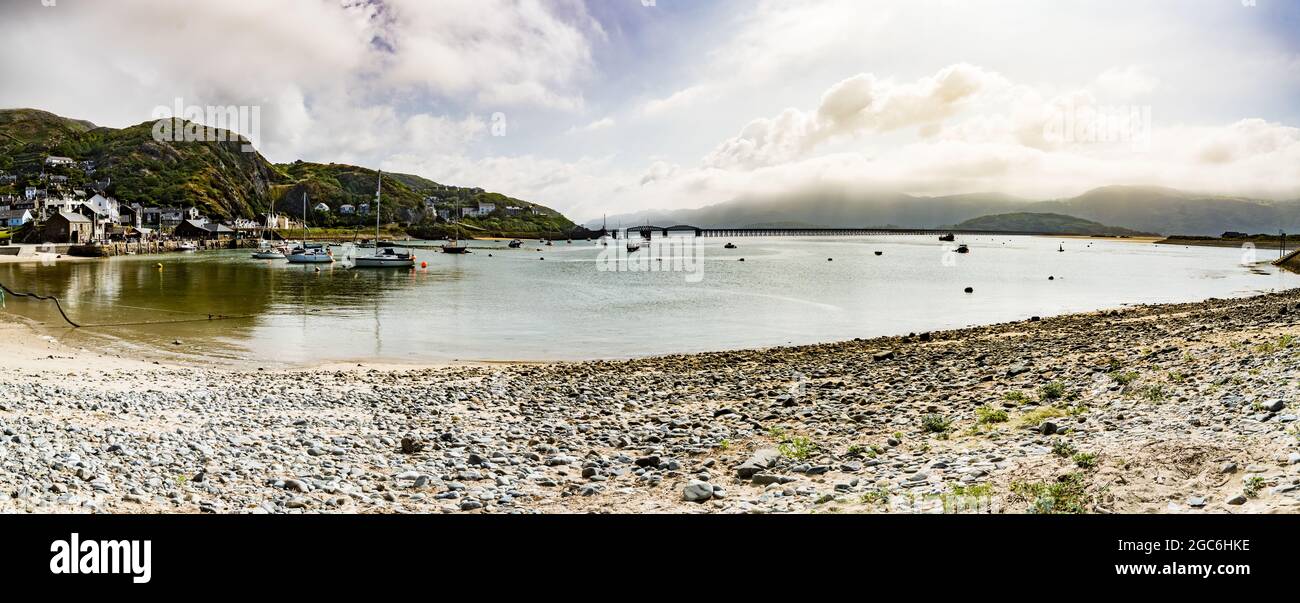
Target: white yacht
x=384 y=257
x=309 y=253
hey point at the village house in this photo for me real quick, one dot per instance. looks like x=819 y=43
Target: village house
x=486 y=209
x=54 y=160
x=129 y=215
x=68 y=227
x=444 y=214
x=512 y=210
x=6 y=178
x=467 y=212
x=194 y=229
x=32 y=193
x=363 y=209
x=347 y=210
x=321 y=207
x=108 y=207
x=15 y=217
x=151 y=217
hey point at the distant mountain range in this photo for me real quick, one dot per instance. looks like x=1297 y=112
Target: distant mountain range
x=1144 y=209
x=220 y=178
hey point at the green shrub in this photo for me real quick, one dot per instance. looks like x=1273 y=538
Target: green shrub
x=935 y=423
x=988 y=415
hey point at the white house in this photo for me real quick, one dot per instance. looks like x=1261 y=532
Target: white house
x=485 y=209
x=347 y=210
x=106 y=206
x=56 y=160
x=32 y=193
x=321 y=207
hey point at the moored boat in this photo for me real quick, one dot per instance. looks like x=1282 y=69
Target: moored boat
x=385 y=254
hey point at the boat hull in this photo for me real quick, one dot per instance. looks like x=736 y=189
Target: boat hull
x=457 y=250
x=372 y=262
x=310 y=259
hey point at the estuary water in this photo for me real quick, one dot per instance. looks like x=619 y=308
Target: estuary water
x=582 y=300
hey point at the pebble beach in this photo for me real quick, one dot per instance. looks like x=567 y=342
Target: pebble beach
x=1183 y=408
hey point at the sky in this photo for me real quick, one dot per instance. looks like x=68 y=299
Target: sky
x=613 y=106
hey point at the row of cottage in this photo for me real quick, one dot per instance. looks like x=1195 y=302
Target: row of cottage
x=102 y=218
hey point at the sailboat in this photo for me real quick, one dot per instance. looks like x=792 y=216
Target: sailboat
x=454 y=246
x=266 y=250
x=308 y=253
x=384 y=257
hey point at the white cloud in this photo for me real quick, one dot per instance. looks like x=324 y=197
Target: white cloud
x=856 y=105
x=600 y=124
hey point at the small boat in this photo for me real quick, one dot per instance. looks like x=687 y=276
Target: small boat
x=549 y=244
x=729 y=246
x=880 y=253
x=187 y=246
x=387 y=257
x=963 y=248
x=266 y=251
x=385 y=254
x=453 y=245
x=633 y=247
x=310 y=253
x=948 y=238
x=1062 y=249
x=516 y=244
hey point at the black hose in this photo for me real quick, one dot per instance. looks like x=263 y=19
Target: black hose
x=41 y=298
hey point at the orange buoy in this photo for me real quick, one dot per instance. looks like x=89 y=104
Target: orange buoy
x=424 y=264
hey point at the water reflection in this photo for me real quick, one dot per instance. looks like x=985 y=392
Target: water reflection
x=505 y=304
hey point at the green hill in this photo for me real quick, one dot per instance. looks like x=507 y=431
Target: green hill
x=225 y=182
x=1043 y=222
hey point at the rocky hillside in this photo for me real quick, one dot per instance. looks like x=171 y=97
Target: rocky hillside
x=219 y=177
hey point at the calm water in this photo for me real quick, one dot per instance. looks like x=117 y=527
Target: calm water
x=514 y=306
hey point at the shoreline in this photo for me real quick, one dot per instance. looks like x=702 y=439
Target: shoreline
x=1160 y=408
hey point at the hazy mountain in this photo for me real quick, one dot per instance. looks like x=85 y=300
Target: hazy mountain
x=1036 y=222
x=1137 y=208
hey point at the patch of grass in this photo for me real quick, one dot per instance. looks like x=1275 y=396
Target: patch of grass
x=1177 y=376
x=987 y=415
x=1068 y=494
x=1124 y=377
x=1052 y=391
x=1063 y=448
x=870 y=452
x=1253 y=486
x=936 y=423
x=1039 y=415
x=1085 y=460
x=1270 y=347
x=1154 y=393
x=1016 y=396
x=798 y=448
x=724 y=445
x=878 y=496
x=776 y=433
x=977 y=490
